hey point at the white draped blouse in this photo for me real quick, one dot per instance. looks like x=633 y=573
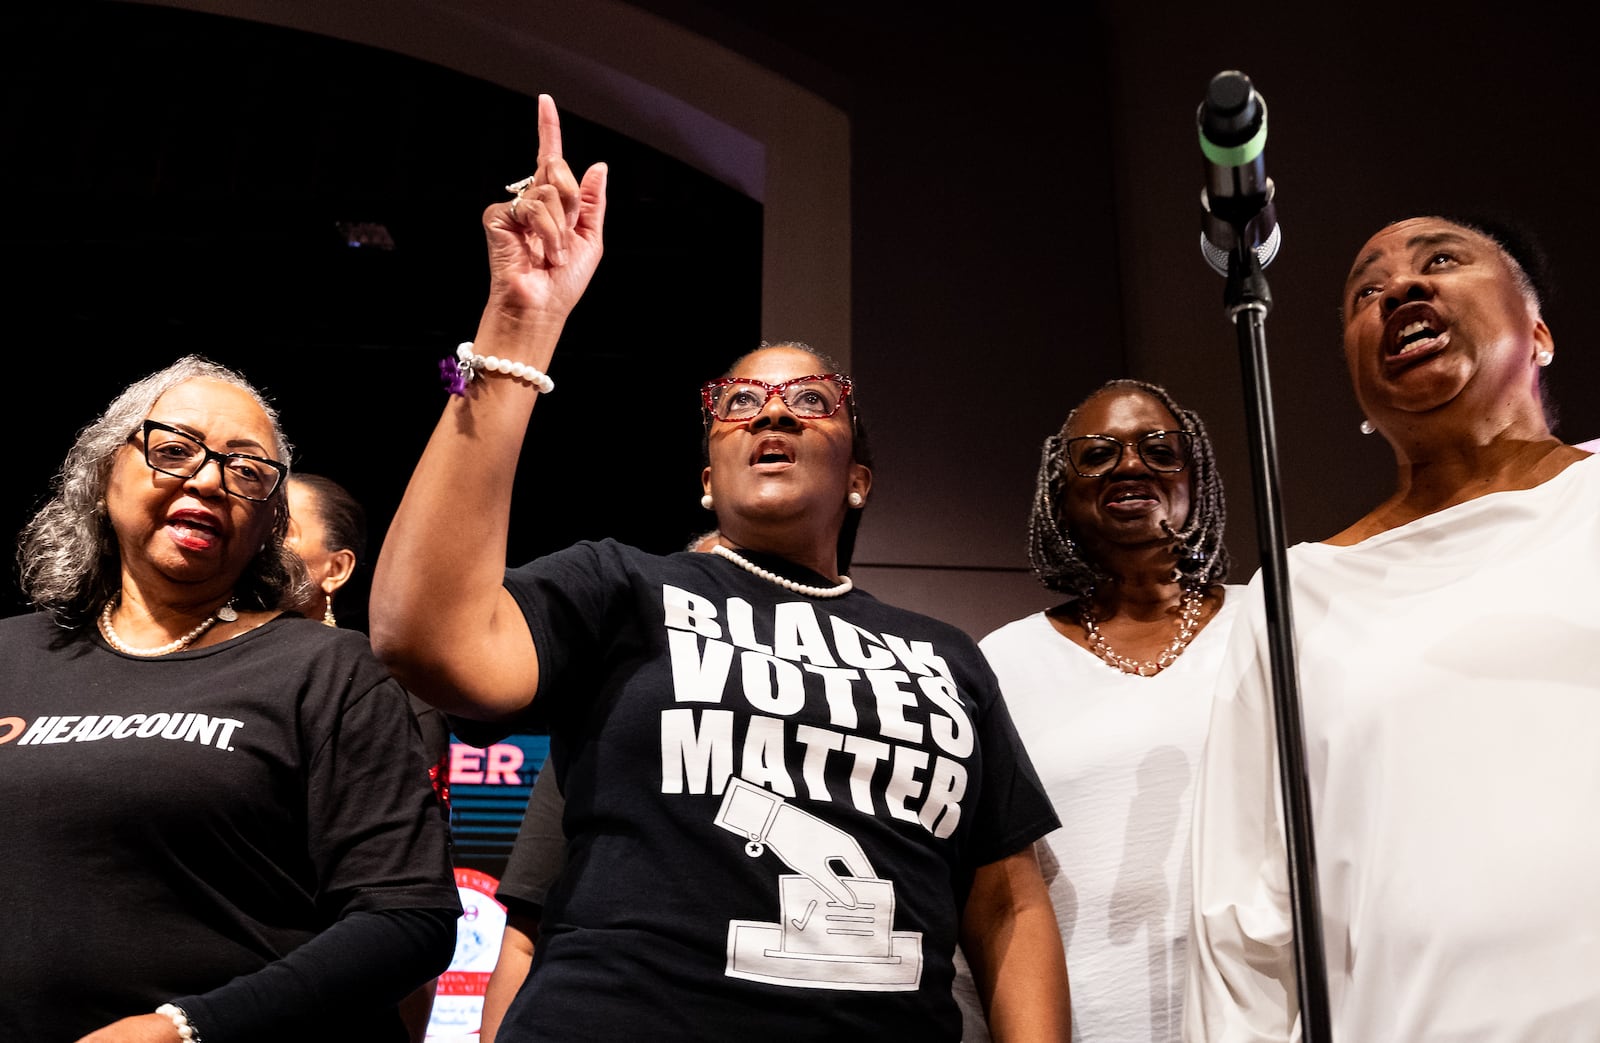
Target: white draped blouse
x=1449 y=676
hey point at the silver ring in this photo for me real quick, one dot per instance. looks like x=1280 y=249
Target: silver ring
x=516 y=188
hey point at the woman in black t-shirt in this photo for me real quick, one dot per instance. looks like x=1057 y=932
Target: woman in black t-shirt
x=785 y=800
x=221 y=826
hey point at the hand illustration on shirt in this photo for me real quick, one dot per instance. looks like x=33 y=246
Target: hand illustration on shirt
x=804 y=842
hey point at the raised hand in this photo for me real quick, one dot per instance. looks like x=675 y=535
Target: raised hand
x=545 y=243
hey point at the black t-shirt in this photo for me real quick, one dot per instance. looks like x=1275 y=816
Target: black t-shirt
x=775 y=803
x=540 y=851
x=175 y=822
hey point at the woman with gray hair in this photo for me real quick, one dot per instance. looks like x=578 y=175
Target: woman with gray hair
x=219 y=820
x=1111 y=690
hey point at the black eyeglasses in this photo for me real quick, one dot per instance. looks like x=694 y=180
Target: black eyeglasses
x=740 y=398
x=170 y=451
x=1095 y=456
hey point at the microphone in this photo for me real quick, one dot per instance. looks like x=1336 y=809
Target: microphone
x=1236 y=203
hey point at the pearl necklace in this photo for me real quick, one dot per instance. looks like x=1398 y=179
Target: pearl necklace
x=844 y=586
x=225 y=613
x=1188 y=623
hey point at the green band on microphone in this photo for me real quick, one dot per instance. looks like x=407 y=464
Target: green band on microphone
x=1238 y=155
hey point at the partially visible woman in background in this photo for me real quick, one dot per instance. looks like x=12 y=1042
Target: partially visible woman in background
x=328 y=530
x=1111 y=691
x=219 y=825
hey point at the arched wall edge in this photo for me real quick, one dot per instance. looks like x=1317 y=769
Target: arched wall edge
x=659 y=84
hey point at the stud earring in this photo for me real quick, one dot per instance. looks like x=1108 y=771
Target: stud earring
x=705 y=501
x=327 y=612
x=1366 y=426
x=856 y=499
x=1544 y=357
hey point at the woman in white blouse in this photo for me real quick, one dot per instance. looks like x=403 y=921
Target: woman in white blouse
x=1450 y=693
x=1111 y=692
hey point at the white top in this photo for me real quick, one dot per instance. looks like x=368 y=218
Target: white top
x=1449 y=676
x=1117 y=754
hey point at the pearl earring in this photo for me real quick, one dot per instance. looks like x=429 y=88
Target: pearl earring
x=705 y=501
x=856 y=499
x=1544 y=357
x=1366 y=426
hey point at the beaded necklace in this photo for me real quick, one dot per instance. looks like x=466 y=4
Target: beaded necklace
x=225 y=613
x=844 y=586
x=1188 y=623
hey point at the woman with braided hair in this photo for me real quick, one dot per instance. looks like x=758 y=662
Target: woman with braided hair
x=1180 y=456
x=1111 y=691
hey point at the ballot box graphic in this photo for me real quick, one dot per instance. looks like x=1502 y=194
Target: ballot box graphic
x=834 y=930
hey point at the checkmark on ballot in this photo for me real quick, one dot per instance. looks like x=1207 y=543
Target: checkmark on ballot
x=800 y=924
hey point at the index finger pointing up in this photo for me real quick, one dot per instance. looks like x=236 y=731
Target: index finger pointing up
x=549 y=129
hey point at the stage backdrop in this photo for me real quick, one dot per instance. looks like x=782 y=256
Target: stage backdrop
x=488 y=793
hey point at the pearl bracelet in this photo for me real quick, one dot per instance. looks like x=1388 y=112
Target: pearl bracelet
x=180 y=1021
x=470 y=365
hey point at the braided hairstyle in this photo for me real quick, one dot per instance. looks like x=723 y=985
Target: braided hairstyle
x=1057 y=558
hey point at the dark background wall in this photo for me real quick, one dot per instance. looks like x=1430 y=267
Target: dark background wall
x=1026 y=183
x=186 y=182
x=1022 y=225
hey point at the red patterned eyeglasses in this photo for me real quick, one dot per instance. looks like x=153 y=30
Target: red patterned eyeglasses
x=740 y=398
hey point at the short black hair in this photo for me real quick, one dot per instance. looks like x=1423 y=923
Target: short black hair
x=1519 y=241
x=344 y=521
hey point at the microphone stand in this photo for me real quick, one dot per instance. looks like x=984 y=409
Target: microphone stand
x=1248 y=299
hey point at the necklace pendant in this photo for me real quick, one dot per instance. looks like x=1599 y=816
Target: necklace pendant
x=1149 y=670
x=226 y=613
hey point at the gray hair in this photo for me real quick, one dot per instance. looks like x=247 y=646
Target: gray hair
x=68 y=560
x=1058 y=560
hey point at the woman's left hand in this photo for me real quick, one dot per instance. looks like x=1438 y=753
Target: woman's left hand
x=141 y=1028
